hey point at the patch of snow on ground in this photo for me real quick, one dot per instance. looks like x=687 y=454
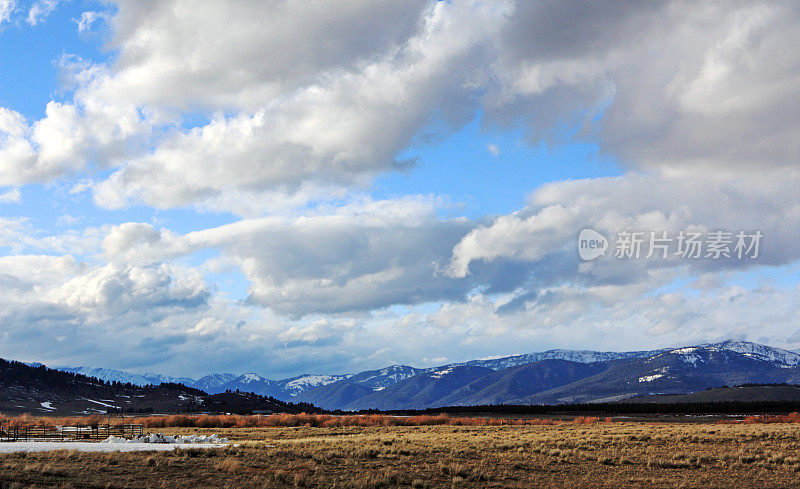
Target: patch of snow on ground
x=83 y=446
x=650 y=378
x=439 y=373
x=683 y=351
x=101 y=403
x=692 y=359
x=47 y=405
x=690 y=354
x=167 y=439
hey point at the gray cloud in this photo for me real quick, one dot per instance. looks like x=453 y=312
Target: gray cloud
x=543 y=236
x=657 y=83
x=357 y=259
x=342 y=128
x=181 y=54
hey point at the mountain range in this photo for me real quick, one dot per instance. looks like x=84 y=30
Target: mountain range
x=32 y=388
x=550 y=377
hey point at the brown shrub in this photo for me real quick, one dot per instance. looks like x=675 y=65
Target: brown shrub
x=313 y=420
x=765 y=419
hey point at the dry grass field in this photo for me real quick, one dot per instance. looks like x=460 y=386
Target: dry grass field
x=585 y=454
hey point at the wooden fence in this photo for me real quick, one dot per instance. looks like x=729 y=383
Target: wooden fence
x=69 y=433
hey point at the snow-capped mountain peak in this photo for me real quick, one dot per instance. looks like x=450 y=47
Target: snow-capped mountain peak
x=111 y=375
x=386 y=376
x=251 y=377
x=212 y=382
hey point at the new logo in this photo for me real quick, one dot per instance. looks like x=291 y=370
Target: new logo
x=591 y=244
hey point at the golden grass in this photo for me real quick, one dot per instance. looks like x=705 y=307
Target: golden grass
x=566 y=454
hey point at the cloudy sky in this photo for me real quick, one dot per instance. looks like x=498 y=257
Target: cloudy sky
x=288 y=187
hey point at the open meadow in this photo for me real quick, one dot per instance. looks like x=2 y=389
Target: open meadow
x=437 y=452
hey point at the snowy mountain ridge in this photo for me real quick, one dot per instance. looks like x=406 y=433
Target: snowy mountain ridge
x=111 y=375
x=579 y=356
x=382 y=378
x=301 y=383
x=758 y=351
x=376 y=380
x=212 y=382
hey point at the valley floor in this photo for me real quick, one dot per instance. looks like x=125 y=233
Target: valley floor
x=618 y=454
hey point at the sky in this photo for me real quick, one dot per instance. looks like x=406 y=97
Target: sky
x=317 y=187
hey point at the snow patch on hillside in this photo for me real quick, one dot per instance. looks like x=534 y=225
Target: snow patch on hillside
x=438 y=374
x=39 y=446
x=657 y=374
x=309 y=381
x=100 y=403
x=650 y=378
